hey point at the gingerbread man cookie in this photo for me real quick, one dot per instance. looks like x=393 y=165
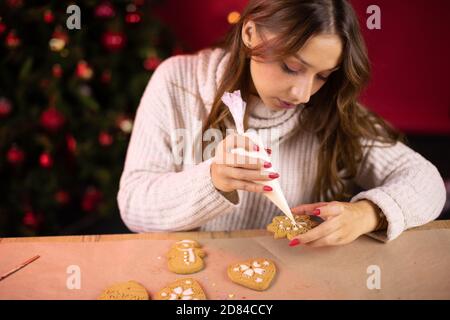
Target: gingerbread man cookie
x=282 y=227
x=182 y=289
x=130 y=290
x=185 y=257
x=256 y=274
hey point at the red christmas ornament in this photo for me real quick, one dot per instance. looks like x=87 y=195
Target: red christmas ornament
x=14 y=4
x=52 y=120
x=48 y=16
x=5 y=107
x=57 y=71
x=71 y=143
x=133 y=18
x=106 y=76
x=105 y=10
x=2 y=27
x=62 y=197
x=151 y=63
x=84 y=71
x=31 y=219
x=113 y=41
x=91 y=199
x=46 y=160
x=15 y=155
x=105 y=139
x=12 y=40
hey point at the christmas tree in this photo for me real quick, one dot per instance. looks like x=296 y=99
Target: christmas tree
x=67 y=104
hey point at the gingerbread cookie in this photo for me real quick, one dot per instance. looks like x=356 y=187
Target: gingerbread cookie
x=130 y=290
x=182 y=289
x=282 y=227
x=256 y=274
x=185 y=257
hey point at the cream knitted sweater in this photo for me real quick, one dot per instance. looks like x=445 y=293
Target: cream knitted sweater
x=158 y=192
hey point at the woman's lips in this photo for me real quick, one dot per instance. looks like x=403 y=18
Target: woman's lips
x=285 y=105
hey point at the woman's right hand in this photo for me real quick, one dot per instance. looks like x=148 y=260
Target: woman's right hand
x=230 y=171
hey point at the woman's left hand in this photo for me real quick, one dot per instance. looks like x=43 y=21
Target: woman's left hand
x=344 y=222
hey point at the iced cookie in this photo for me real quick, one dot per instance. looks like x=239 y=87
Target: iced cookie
x=182 y=289
x=185 y=257
x=282 y=227
x=130 y=290
x=256 y=274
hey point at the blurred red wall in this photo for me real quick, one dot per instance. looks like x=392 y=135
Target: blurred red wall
x=410 y=55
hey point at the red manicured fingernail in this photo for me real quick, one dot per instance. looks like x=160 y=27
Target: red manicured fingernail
x=256 y=148
x=273 y=175
x=269 y=151
x=267 y=188
x=316 y=212
x=294 y=242
x=267 y=164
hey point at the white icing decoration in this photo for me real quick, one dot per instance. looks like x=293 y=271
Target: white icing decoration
x=248 y=272
x=236 y=269
x=164 y=294
x=266 y=263
x=178 y=290
x=244 y=267
x=173 y=296
x=256 y=264
x=186 y=298
x=258 y=270
x=188 y=292
x=258 y=280
x=188 y=252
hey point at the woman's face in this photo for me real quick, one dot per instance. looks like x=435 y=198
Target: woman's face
x=297 y=78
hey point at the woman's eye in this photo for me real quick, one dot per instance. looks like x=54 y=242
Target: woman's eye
x=287 y=70
x=292 y=72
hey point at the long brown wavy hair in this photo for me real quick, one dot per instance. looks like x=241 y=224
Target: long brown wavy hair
x=333 y=114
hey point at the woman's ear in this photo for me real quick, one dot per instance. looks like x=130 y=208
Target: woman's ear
x=248 y=33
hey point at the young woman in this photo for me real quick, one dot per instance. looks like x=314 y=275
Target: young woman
x=300 y=66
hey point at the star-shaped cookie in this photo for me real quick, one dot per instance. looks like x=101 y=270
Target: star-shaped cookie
x=282 y=227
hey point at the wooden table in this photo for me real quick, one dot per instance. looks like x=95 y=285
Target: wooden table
x=434 y=225
x=304 y=273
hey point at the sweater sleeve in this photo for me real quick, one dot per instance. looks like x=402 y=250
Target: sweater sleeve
x=152 y=195
x=404 y=185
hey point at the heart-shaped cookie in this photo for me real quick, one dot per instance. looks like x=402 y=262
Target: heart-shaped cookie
x=256 y=274
x=182 y=289
x=130 y=290
x=185 y=257
x=282 y=227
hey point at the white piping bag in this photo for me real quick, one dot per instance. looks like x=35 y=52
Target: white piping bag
x=237 y=108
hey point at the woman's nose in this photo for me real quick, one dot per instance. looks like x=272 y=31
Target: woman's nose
x=302 y=91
